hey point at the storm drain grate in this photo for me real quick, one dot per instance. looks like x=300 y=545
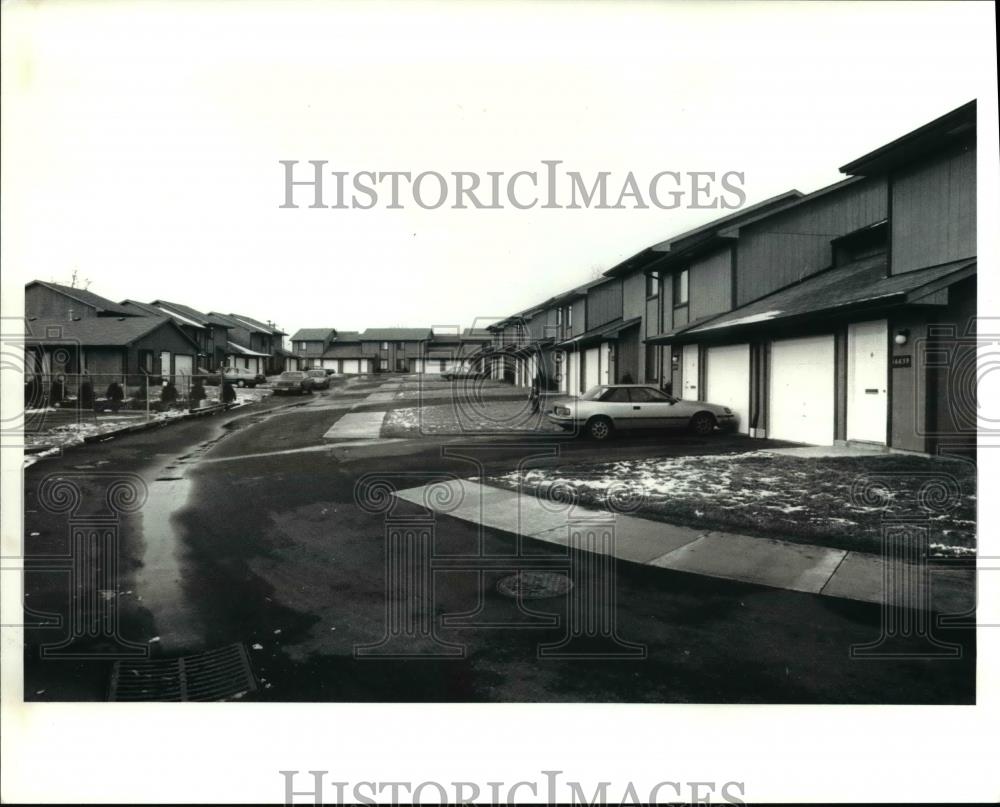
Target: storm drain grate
x=214 y=675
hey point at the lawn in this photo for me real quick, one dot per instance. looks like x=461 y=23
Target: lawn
x=841 y=502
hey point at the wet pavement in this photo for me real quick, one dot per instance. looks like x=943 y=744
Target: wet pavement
x=256 y=530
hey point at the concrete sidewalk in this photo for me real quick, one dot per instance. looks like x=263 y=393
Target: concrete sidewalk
x=780 y=564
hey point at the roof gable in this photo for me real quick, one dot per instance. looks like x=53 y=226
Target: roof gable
x=100 y=304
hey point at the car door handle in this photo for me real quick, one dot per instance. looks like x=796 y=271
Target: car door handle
x=637 y=407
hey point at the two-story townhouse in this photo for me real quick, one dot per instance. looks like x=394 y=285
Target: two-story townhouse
x=71 y=331
x=805 y=323
x=248 y=346
x=274 y=342
x=216 y=331
x=637 y=357
x=309 y=344
x=345 y=355
x=183 y=365
x=453 y=347
x=394 y=350
x=583 y=346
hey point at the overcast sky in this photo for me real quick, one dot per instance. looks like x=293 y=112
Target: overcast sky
x=141 y=142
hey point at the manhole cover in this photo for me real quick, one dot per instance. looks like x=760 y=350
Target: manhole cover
x=534 y=585
x=214 y=675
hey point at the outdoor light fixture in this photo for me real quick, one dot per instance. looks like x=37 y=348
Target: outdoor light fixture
x=902 y=335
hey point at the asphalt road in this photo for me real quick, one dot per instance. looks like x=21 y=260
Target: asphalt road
x=252 y=532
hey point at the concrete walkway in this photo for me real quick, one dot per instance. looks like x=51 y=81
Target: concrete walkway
x=356 y=425
x=763 y=561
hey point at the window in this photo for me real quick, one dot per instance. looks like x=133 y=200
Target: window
x=616 y=395
x=681 y=288
x=647 y=395
x=652 y=364
x=385 y=346
x=146 y=361
x=652 y=285
x=569 y=317
x=401 y=345
x=383 y=364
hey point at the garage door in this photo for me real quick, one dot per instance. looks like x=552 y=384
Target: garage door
x=183 y=365
x=728 y=378
x=802 y=392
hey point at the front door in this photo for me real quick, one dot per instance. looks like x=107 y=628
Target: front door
x=690 y=373
x=867 y=380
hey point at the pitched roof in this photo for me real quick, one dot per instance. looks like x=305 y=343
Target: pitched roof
x=348 y=336
x=239 y=350
x=314 y=334
x=152 y=310
x=396 y=334
x=232 y=322
x=957 y=126
x=98 y=331
x=863 y=282
x=344 y=351
x=256 y=323
x=88 y=298
x=192 y=313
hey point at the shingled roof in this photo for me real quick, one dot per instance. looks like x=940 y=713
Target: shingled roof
x=396 y=334
x=98 y=331
x=101 y=304
x=314 y=334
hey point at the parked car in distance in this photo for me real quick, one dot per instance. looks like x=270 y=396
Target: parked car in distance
x=457 y=370
x=604 y=409
x=237 y=376
x=320 y=379
x=293 y=381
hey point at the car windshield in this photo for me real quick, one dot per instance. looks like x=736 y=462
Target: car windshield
x=593 y=394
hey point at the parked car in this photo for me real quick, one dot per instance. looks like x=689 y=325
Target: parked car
x=237 y=376
x=458 y=370
x=293 y=381
x=604 y=409
x=320 y=379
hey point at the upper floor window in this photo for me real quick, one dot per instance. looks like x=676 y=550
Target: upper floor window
x=680 y=288
x=569 y=316
x=385 y=346
x=400 y=345
x=652 y=285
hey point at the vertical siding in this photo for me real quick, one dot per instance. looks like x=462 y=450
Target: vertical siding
x=934 y=213
x=666 y=303
x=784 y=248
x=710 y=285
x=652 y=311
x=579 y=316
x=634 y=295
x=604 y=304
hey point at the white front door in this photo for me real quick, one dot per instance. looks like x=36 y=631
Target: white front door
x=165 y=363
x=728 y=381
x=867 y=380
x=802 y=390
x=690 y=373
x=591 y=367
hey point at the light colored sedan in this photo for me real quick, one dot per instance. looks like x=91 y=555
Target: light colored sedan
x=602 y=410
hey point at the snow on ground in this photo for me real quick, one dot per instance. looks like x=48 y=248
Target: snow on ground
x=765 y=492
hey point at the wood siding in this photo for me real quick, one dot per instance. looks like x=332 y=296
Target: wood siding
x=579 y=317
x=634 y=295
x=652 y=310
x=934 y=213
x=45 y=303
x=710 y=285
x=786 y=247
x=604 y=304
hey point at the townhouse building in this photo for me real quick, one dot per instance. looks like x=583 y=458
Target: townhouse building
x=395 y=350
x=249 y=345
x=71 y=331
x=846 y=314
x=216 y=332
x=309 y=345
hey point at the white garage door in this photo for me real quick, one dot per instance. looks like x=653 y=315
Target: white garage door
x=728 y=378
x=802 y=391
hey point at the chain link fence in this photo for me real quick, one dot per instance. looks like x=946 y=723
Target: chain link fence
x=54 y=401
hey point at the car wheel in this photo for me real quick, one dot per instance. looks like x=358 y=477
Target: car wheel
x=703 y=424
x=599 y=428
